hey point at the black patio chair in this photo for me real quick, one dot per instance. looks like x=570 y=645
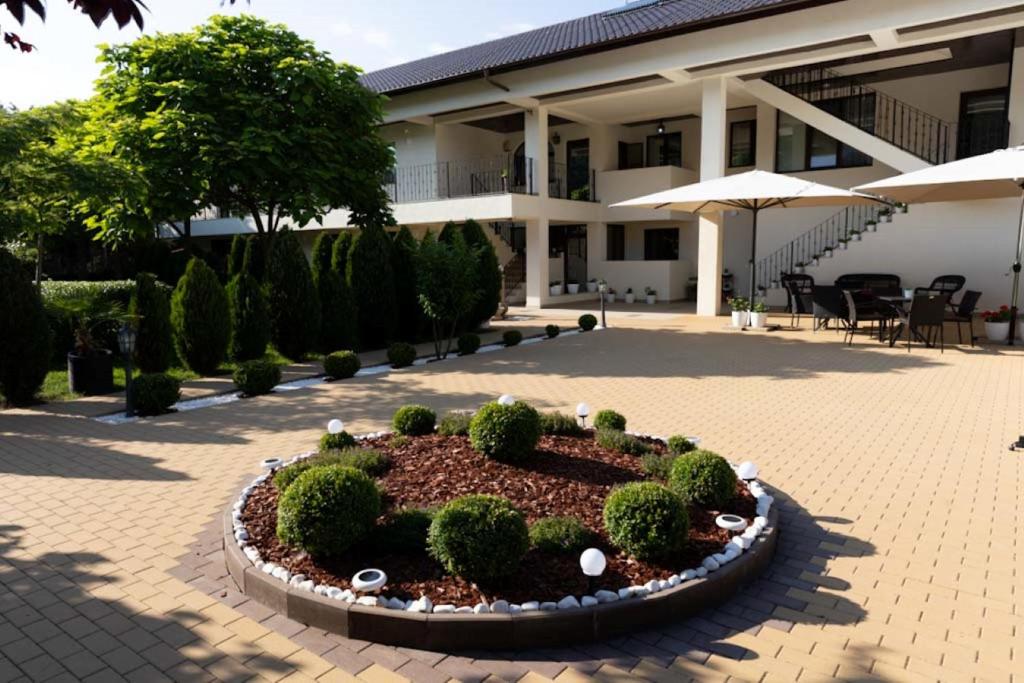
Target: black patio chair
x=879 y=284
x=855 y=315
x=947 y=285
x=964 y=313
x=827 y=304
x=799 y=300
x=925 y=321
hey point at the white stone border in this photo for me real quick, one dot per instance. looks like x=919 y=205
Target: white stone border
x=731 y=551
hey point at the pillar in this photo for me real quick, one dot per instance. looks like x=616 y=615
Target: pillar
x=536 y=149
x=711 y=231
x=537 y=262
x=1016 y=106
x=764 y=157
x=597 y=243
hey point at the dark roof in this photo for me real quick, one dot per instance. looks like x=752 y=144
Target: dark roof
x=641 y=20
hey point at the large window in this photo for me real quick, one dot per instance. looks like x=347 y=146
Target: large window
x=983 y=122
x=742 y=143
x=800 y=147
x=665 y=149
x=616 y=246
x=631 y=155
x=661 y=244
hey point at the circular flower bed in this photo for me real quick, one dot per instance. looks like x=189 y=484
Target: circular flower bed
x=455 y=530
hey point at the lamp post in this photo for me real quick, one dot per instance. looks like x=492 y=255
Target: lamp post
x=592 y=562
x=582 y=410
x=126 y=344
x=602 y=287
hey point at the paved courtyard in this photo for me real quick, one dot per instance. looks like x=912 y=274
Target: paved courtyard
x=901 y=557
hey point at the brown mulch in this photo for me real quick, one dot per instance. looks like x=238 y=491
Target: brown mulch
x=567 y=476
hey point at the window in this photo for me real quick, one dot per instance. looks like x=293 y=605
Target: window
x=742 y=143
x=665 y=149
x=983 y=122
x=631 y=155
x=616 y=243
x=799 y=147
x=661 y=244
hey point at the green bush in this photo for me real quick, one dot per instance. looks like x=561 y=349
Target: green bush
x=346 y=303
x=454 y=423
x=609 y=419
x=101 y=295
x=24 y=332
x=342 y=364
x=622 y=442
x=560 y=424
x=335 y=327
x=587 y=322
x=372 y=280
x=256 y=377
x=646 y=520
x=404 y=531
x=658 y=466
x=254 y=263
x=150 y=308
x=403 y=264
x=401 y=355
x=154 y=393
x=560 y=535
x=703 y=478
x=250 y=319
x=677 y=445
x=478 y=537
x=468 y=344
x=201 y=318
x=487 y=274
x=414 y=420
x=335 y=442
x=505 y=433
x=327 y=510
x=372 y=462
x=512 y=337
x=552 y=331
x=236 y=259
x=291 y=298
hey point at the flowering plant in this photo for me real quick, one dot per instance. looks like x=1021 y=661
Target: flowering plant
x=739 y=304
x=1002 y=315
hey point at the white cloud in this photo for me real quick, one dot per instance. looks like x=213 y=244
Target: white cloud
x=377 y=38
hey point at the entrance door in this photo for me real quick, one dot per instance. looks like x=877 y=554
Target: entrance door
x=577 y=162
x=569 y=242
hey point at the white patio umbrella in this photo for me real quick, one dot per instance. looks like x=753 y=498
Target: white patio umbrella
x=994 y=175
x=752 y=191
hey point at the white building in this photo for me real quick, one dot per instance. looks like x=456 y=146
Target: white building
x=534 y=135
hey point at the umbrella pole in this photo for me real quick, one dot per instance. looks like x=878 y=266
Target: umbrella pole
x=753 y=257
x=1016 y=271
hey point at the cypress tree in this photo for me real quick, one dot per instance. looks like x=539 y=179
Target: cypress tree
x=372 y=281
x=292 y=298
x=488 y=274
x=200 y=318
x=254 y=262
x=236 y=258
x=447 y=230
x=333 y=326
x=151 y=310
x=403 y=262
x=250 y=321
x=348 y=316
x=339 y=256
x=323 y=252
x=24 y=331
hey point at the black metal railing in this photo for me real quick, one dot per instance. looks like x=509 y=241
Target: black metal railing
x=898 y=123
x=502 y=174
x=562 y=184
x=819 y=242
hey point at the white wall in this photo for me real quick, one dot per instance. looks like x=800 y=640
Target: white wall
x=414 y=144
x=667 y=277
x=939 y=94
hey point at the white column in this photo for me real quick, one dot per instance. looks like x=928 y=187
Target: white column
x=1016 y=110
x=711 y=245
x=536 y=148
x=597 y=243
x=537 y=293
x=766 y=130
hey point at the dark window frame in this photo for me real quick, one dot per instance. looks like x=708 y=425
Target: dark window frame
x=613 y=251
x=624 y=148
x=674 y=135
x=965 y=96
x=809 y=131
x=654 y=241
x=752 y=125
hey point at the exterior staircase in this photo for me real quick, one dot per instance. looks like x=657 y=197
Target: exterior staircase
x=512 y=261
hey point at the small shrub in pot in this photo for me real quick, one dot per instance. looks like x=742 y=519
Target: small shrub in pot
x=479 y=537
x=703 y=478
x=342 y=365
x=256 y=377
x=646 y=520
x=609 y=419
x=512 y=337
x=414 y=420
x=587 y=322
x=505 y=433
x=154 y=393
x=468 y=344
x=552 y=331
x=562 y=535
x=327 y=510
x=401 y=355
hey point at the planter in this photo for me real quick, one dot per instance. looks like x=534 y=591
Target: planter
x=591 y=286
x=758 y=319
x=556 y=290
x=828 y=253
x=998 y=332
x=843 y=246
x=652 y=299
x=872 y=227
x=739 y=318
x=91 y=374
x=630 y=297
x=573 y=287
x=799 y=270
x=609 y=297
x=856 y=237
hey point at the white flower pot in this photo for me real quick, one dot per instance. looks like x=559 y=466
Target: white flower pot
x=573 y=287
x=843 y=246
x=758 y=319
x=609 y=297
x=872 y=227
x=630 y=297
x=556 y=290
x=739 y=318
x=856 y=237
x=799 y=270
x=998 y=332
x=591 y=286
x=652 y=298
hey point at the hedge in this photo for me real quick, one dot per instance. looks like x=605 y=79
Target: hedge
x=25 y=355
x=201 y=318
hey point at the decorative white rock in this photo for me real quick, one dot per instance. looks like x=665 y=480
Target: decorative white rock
x=568 y=602
x=269 y=568
x=480 y=608
x=499 y=607
x=674 y=580
x=306 y=585
x=367 y=600
x=588 y=601
x=531 y=606
x=640 y=591
x=731 y=522
x=740 y=542
x=548 y=606
x=720 y=558
x=444 y=609
x=606 y=596
x=689 y=575
x=625 y=593
x=369 y=580
x=395 y=603
x=710 y=564
x=464 y=610
x=421 y=604
x=652 y=586
x=515 y=609
x=663 y=584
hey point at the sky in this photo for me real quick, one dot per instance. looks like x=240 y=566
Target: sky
x=371 y=34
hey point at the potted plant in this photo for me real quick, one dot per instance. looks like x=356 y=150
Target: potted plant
x=799 y=267
x=504 y=181
x=997 y=324
x=629 y=296
x=740 y=311
x=609 y=295
x=902 y=207
x=90 y=366
x=844 y=243
x=592 y=285
x=871 y=225
x=855 y=235
x=815 y=260
x=572 y=286
x=651 y=294
x=885 y=215
x=828 y=252
x=759 y=314
x=555 y=288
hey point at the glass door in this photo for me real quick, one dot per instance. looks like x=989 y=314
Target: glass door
x=577 y=162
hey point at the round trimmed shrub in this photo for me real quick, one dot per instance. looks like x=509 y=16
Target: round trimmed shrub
x=552 y=331
x=256 y=377
x=404 y=531
x=703 y=478
x=342 y=364
x=587 y=322
x=24 y=331
x=505 y=433
x=622 y=442
x=454 y=423
x=154 y=393
x=646 y=520
x=292 y=298
x=512 y=337
x=336 y=442
x=414 y=420
x=678 y=445
x=479 y=537
x=559 y=424
x=372 y=462
x=401 y=355
x=327 y=510
x=468 y=344
x=658 y=466
x=609 y=419
x=250 y=319
x=151 y=310
x=201 y=318
x=560 y=535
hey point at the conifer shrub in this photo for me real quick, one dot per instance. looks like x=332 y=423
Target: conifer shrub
x=200 y=318
x=292 y=298
x=150 y=309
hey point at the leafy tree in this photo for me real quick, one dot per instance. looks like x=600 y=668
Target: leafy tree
x=335 y=328
x=445 y=281
x=371 y=278
x=237 y=256
x=292 y=298
x=250 y=320
x=151 y=311
x=488 y=274
x=200 y=318
x=254 y=262
x=123 y=12
x=403 y=262
x=24 y=331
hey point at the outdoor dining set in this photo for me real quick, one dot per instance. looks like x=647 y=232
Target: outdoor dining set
x=878 y=299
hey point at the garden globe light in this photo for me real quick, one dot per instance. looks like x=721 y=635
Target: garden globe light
x=369 y=580
x=506 y=400
x=582 y=411
x=593 y=563
x=747 y=471
x=335 y=426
